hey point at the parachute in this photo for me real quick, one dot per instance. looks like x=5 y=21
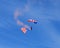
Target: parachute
x=32 y=20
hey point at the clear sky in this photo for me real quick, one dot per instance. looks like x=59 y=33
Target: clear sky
x=44 y=34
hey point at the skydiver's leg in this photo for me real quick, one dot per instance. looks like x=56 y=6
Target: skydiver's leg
x=31 y=28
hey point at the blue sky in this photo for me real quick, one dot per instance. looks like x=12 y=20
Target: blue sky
x=45 y=34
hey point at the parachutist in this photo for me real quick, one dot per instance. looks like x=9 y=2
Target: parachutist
x=32 y=20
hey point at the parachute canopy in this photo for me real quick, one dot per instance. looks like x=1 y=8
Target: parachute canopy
x=32 y=20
